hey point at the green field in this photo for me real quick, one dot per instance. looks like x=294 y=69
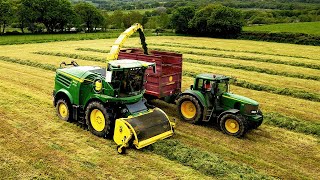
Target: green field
x=34 y=143
x=302 y=27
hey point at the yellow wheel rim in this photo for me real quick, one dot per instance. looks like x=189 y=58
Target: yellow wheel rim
x=188 y=109
x=97 y=120
x=232 y=125
x=63 y=110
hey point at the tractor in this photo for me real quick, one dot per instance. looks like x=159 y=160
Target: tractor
x=109 y=100
x=209 y=99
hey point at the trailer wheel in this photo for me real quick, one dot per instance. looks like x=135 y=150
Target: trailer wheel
x=63 y=109
x=234 y=125
x=189 y=109
x=97 y=119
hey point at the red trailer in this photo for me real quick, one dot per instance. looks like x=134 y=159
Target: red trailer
x=166 y=82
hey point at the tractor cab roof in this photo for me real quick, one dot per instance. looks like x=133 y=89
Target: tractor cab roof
x=128 y=64
x=212 y=77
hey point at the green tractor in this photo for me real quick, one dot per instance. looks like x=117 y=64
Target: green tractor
x=209 y=99
x=109 y=102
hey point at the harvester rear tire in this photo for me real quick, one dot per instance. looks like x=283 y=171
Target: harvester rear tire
x=99 y=124
x=63 y=109
x=192 y=106
x=234 y=125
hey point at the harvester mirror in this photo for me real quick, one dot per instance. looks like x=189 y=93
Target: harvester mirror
x=108 y=76
x=191 y=87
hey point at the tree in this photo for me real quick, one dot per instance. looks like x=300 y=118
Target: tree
x=217 y=21
x=89 y=15
x=132 y=17
x=116 y=19
x=6 y=14
x=181 y=17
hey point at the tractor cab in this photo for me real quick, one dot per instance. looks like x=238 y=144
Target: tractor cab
x=215 y=84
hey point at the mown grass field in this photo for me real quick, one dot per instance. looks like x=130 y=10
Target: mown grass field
x=34 y=143
x=302 y=27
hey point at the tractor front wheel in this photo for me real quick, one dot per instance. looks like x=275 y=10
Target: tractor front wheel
x=189 y=109
x=234 y=125
x=97 y=119
x=63 y=110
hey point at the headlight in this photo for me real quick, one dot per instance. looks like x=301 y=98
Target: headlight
x=250 y=109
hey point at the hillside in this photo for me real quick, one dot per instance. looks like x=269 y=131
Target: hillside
x=303 y=27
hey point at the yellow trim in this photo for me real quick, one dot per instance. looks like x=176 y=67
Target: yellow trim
x=188 y=109
x=170 y=78
x=154 y=139
x=63 y=110
x=97 y=120
x=72 y=77
x=232 y=126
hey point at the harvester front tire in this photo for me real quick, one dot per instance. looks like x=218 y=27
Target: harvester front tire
x=98 y=120
x=234 y=125
x=189 y=109
x=63 y=110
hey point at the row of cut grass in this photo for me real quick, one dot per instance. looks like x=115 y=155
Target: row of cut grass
x=284 y=122
x=73 y=56
x=183 y=45
x=282 y=91
x=245 y=58
x=234 y=66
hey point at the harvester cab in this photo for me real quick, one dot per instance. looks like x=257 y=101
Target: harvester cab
x=109 y=101
x=209 y=98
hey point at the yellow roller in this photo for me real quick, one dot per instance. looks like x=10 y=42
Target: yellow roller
x=142 y=130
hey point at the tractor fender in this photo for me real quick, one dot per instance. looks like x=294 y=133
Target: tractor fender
x=195 y=94
x=63 y=92
x=229 y=111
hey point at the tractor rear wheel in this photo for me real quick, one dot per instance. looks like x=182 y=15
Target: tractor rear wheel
x=234 y=125
x=97 y=119
x=189 y=109
x=63 y=109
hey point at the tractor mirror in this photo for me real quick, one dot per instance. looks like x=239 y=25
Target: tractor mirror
x=191 y=87
x=108 y=76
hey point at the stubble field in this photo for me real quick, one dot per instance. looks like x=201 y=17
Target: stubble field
x=283 y=78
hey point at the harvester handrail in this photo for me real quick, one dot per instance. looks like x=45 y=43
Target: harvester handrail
x=115 y=49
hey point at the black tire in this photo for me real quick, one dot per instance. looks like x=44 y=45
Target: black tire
x=254 y=124
x=67 y=109
x=106 y=130
x=240 y=125
x=122 y=150
x=196 y=119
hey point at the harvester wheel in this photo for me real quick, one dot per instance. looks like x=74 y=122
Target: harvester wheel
x=234 y=125
x=189 y=109
x=63 y=110
x=121 y=150
x=97 y=119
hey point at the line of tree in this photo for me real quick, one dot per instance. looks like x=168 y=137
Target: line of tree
x=212 y=20
x=51 y=15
